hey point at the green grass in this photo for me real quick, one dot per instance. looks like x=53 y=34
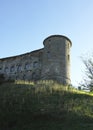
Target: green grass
x=44 y=105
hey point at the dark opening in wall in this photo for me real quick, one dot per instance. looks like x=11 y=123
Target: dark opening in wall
x=35 y=64
x=68 y=57
x=27 y=66
x=19 y=68
x=12 y=69
x=6 y=69
x=0 y=69
x=48 y=54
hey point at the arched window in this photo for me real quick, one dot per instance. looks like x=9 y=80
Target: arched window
x=35 y=64
x=6 y=69
x=27 y=66
x=19 y=68
x=12 y=68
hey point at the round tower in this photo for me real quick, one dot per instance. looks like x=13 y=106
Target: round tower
x=56 y=59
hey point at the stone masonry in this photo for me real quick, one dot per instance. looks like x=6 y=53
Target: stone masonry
x=49 y=63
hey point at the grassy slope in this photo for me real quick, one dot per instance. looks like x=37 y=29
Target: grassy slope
x=44 y=106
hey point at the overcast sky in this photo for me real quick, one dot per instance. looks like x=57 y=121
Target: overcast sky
x=24 y=24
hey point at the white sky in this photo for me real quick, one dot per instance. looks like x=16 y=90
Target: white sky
x=24 y=24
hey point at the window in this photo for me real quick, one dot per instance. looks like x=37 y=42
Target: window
x=68 y=57
x=12 y=69
x=19 y=68
x=27 y=66
x=48 y=54
x=0 y=69
x=6 y=69
x=35 y=64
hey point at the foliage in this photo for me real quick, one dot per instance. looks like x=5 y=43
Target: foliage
x=44 y=105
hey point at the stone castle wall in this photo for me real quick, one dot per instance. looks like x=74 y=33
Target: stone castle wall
x=50 y=62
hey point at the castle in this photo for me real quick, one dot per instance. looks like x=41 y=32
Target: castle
x=49 y=63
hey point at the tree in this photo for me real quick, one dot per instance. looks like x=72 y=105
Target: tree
x=88 y=80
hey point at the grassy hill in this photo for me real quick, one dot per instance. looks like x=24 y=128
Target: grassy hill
x=44 y=105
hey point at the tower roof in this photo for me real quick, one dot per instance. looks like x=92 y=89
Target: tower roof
x=58 y=36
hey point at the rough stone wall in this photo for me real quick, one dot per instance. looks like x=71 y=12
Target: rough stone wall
x=56 y=59
x=50 y=62
x=23 y=67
